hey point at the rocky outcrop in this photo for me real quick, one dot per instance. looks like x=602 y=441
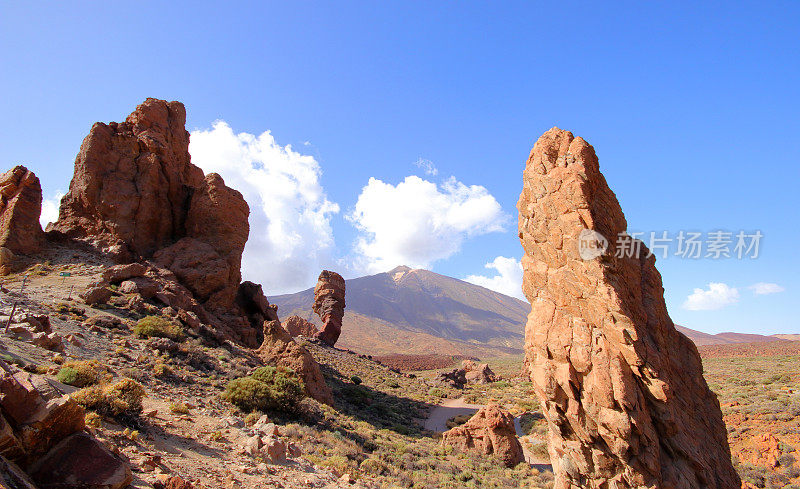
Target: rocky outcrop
x=280 y=350
x=297 y=326
x=489 y=432
x=623 y=392
x=478 y=373
x=329 y=305
x=41 y=432
x=136 y=195
x=20 y=208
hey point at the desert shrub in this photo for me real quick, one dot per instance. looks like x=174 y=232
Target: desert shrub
x=158 y=327
x=123 y=397
x=179 y=408
x=80 y=373
x=266 y=389
x=162 y=371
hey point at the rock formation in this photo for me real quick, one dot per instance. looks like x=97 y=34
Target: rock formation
x=489 y=432
x=41 y=432
x=623 y=392
x=478 y=373
x=136 y=195
x=20 y=208
x=297 y=326
x=280 y=350
x=329 y=305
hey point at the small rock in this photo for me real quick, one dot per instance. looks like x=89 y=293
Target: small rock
x=253 y=445
x=273 y=449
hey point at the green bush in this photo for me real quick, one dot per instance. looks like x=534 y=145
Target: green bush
x=123 y=397
x=266 y=389
x=79 y=373
x=157 y=326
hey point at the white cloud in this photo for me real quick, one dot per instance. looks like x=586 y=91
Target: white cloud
x=417 y=222
x=427 y=166
x=717 y=296
x=50 y=209
x=508 y=279
x=290 y=230
x=764 y=288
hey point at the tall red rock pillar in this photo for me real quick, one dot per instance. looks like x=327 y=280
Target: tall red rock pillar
x=623 y=392
x=329 y=305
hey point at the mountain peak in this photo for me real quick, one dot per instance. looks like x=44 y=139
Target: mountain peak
x=398 y=272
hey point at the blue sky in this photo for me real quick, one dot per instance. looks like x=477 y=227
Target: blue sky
x=692 y=109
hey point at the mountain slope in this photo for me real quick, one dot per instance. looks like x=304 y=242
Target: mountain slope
x=703 y=339
x=418 y=311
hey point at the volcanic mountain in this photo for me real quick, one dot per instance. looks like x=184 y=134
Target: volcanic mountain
x=415 y=311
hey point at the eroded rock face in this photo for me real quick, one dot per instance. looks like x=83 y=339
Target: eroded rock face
x=20 y=208
x=133 y=181
x=136 y=195
x=280 y=350
x=329 y=305
x=297 y=326
x=623 y=392
x=41 y=431
x=489 y=432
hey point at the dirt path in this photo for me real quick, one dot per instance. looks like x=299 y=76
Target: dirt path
x=437 y=419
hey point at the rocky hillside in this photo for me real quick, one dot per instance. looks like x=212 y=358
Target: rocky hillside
x=418 y=311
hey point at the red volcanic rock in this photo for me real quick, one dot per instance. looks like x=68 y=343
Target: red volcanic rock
x=133 y=182
x=479 y=373
x=41 y=414
x=489 y=432
x=280 y=350
x=20 y=208
x=81 y=462
x=136 y=195
x=297 y=326
x=218 y=215
x=622 y=390
x=329 y=305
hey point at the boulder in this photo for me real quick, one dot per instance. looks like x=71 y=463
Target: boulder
x=177 y=482
x=489 y=432
x=622 y=390
x=478 y=373
x=280 y=350
x=273 y=450
x=96 y=295
x=48 y=341
x=329 y=305
x=42 y=415
x=297 y=326
x=20 y=208
x=80 y=461
x=119 y=273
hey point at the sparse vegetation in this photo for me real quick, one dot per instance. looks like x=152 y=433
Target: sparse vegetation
x=123 y=397
x=158 y=327
x=80 y=373
x=266 y=389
